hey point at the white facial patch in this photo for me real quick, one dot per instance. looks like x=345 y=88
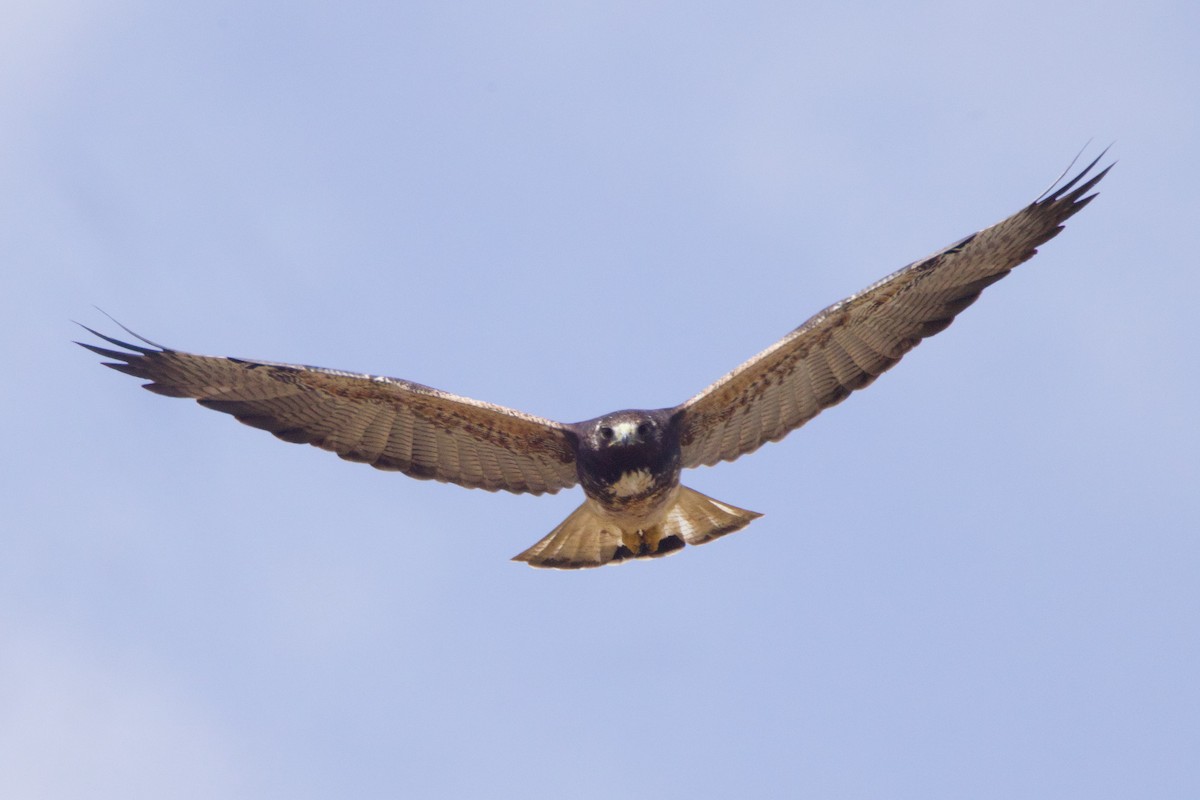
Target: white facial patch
x=633 y=483
x=625 y=431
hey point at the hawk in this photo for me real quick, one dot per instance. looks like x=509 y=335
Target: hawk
x=628 y=462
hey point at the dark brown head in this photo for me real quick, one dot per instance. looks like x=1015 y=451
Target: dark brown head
x=625 y=441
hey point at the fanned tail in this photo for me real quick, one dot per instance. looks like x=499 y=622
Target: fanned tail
x=588 y=538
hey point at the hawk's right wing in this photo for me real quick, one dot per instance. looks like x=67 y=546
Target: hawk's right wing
x=388 y=423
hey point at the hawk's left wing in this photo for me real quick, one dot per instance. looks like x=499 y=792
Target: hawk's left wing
x=389 y=423
x=849 y=344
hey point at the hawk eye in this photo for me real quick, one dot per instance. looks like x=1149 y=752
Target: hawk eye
x=606 y=432
x=643 y=429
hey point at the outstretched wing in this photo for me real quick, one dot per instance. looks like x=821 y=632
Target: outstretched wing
x=388 y=423
x=848 y=345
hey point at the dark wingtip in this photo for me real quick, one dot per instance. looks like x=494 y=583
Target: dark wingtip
x=130 y=350
x=132 y=333
x=1076 y=196
x=1055 y=191
x=106 y=353
x=132 y=347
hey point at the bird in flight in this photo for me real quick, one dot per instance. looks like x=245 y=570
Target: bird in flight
x=628 y=462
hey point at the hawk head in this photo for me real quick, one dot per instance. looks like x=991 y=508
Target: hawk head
x=628 y=451
x=626 y=429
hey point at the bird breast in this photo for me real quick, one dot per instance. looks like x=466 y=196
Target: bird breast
x=633 y=483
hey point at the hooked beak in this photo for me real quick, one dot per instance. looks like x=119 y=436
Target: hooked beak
x=625 y=432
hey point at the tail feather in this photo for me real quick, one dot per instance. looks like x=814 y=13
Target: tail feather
x=589 y=538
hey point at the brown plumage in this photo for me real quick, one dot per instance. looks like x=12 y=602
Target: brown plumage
x=628 y=462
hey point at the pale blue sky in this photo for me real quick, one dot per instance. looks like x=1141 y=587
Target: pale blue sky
x=978 y=578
